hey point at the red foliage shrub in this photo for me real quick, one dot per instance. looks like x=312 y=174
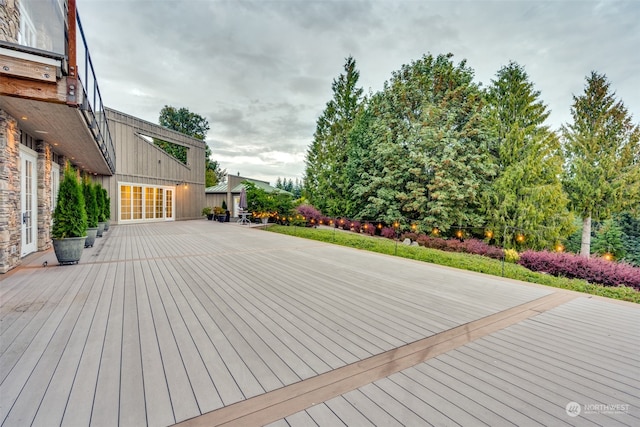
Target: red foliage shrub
x=412 y=236
x=309 y=212
x=593 y=270
x=471 y=246
x=388 y=232
x=369 y=229
x=355 y=226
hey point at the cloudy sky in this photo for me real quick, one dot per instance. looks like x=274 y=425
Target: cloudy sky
x=261 y=71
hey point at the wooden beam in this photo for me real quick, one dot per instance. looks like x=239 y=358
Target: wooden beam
x=71 y=43
x=36 y=90
x=27 y=69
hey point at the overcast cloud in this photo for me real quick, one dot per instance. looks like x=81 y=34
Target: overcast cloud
x=261 y=71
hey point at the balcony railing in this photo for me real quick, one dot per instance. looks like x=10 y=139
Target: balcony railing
x=91 y=101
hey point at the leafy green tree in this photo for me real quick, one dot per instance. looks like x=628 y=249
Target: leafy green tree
x=422 y=147
x=258 y=200
x=90 y=202
x=527 y=192
x=602 y=150
x=327 y=155
x=184 y=121
x=70 y=215
x=214 y=174
x=196 y=126
x=608 y=239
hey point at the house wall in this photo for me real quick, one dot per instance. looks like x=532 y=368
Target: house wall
x=11 y=136
x=213 y=200
x=141 y=162
x=9 y=21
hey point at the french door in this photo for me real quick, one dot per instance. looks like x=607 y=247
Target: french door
x=29 y=200
x=146 y=203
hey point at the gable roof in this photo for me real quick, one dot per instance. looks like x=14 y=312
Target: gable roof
x=223 y=188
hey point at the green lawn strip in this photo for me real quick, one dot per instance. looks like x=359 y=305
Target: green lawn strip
x=457 y=260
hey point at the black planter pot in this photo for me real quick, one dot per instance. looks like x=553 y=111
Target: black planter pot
x=69 y=250
x=209 y=217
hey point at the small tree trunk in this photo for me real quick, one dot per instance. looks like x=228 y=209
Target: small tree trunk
x=585 y=247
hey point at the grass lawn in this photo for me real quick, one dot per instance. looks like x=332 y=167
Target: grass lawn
x=453 y=259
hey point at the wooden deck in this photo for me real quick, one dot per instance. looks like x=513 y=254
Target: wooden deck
x=164 y=322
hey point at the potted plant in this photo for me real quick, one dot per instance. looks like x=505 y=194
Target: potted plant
x=219 y=213
x=107 y=209
x=91 y=207
x=206 y=211
x=227 y=214
x=101 y=214
x=69 y=230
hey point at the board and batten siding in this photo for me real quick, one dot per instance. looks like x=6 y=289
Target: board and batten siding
x=141 y=162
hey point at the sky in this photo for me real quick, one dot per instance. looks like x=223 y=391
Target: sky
x=261 y=71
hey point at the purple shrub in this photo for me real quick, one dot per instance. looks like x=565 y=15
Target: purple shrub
x=369 y=229
x=478 y=247
x=325 y=220
x=355 y=226
x=432 y=242
x=411 y=235
x=593 y=270
x=388 y=232
x=309 y=213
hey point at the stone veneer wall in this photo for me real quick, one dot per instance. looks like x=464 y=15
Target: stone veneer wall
x=9 y=20
x=45 y=159
x=10 y=237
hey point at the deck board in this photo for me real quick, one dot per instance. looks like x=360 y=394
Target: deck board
x=162 y=322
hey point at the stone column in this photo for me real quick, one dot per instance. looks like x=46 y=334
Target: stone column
x=10 y=227
x=9 y=20
x=44 y=194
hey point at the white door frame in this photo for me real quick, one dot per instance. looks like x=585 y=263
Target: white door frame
x=28 y=200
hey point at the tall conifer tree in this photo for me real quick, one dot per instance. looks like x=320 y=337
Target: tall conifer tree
x=602 y=149
x=527 y=192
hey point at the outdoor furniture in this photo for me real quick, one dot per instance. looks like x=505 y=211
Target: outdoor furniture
x=244 y=217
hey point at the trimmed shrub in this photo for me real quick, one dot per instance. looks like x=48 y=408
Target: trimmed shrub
x=100 y=198
x=388 y=232
x=593 y=270
x=90 y=202
x=355 y=226
x=70 y=215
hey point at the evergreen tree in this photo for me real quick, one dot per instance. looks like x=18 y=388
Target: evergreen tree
x=327 y=155
x=527 y=193
x=422 y=147
x=630 y=226
x=90 y=202
x=608 y=240
x=602 y=149
x=70 y=215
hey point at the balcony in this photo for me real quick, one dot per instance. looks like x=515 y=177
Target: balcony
x=49 y=85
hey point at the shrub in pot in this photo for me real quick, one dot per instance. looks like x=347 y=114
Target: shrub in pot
x=69 y=230
x=91 y=207
x=107 y=209
x=206 y=211
x=101 y=214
